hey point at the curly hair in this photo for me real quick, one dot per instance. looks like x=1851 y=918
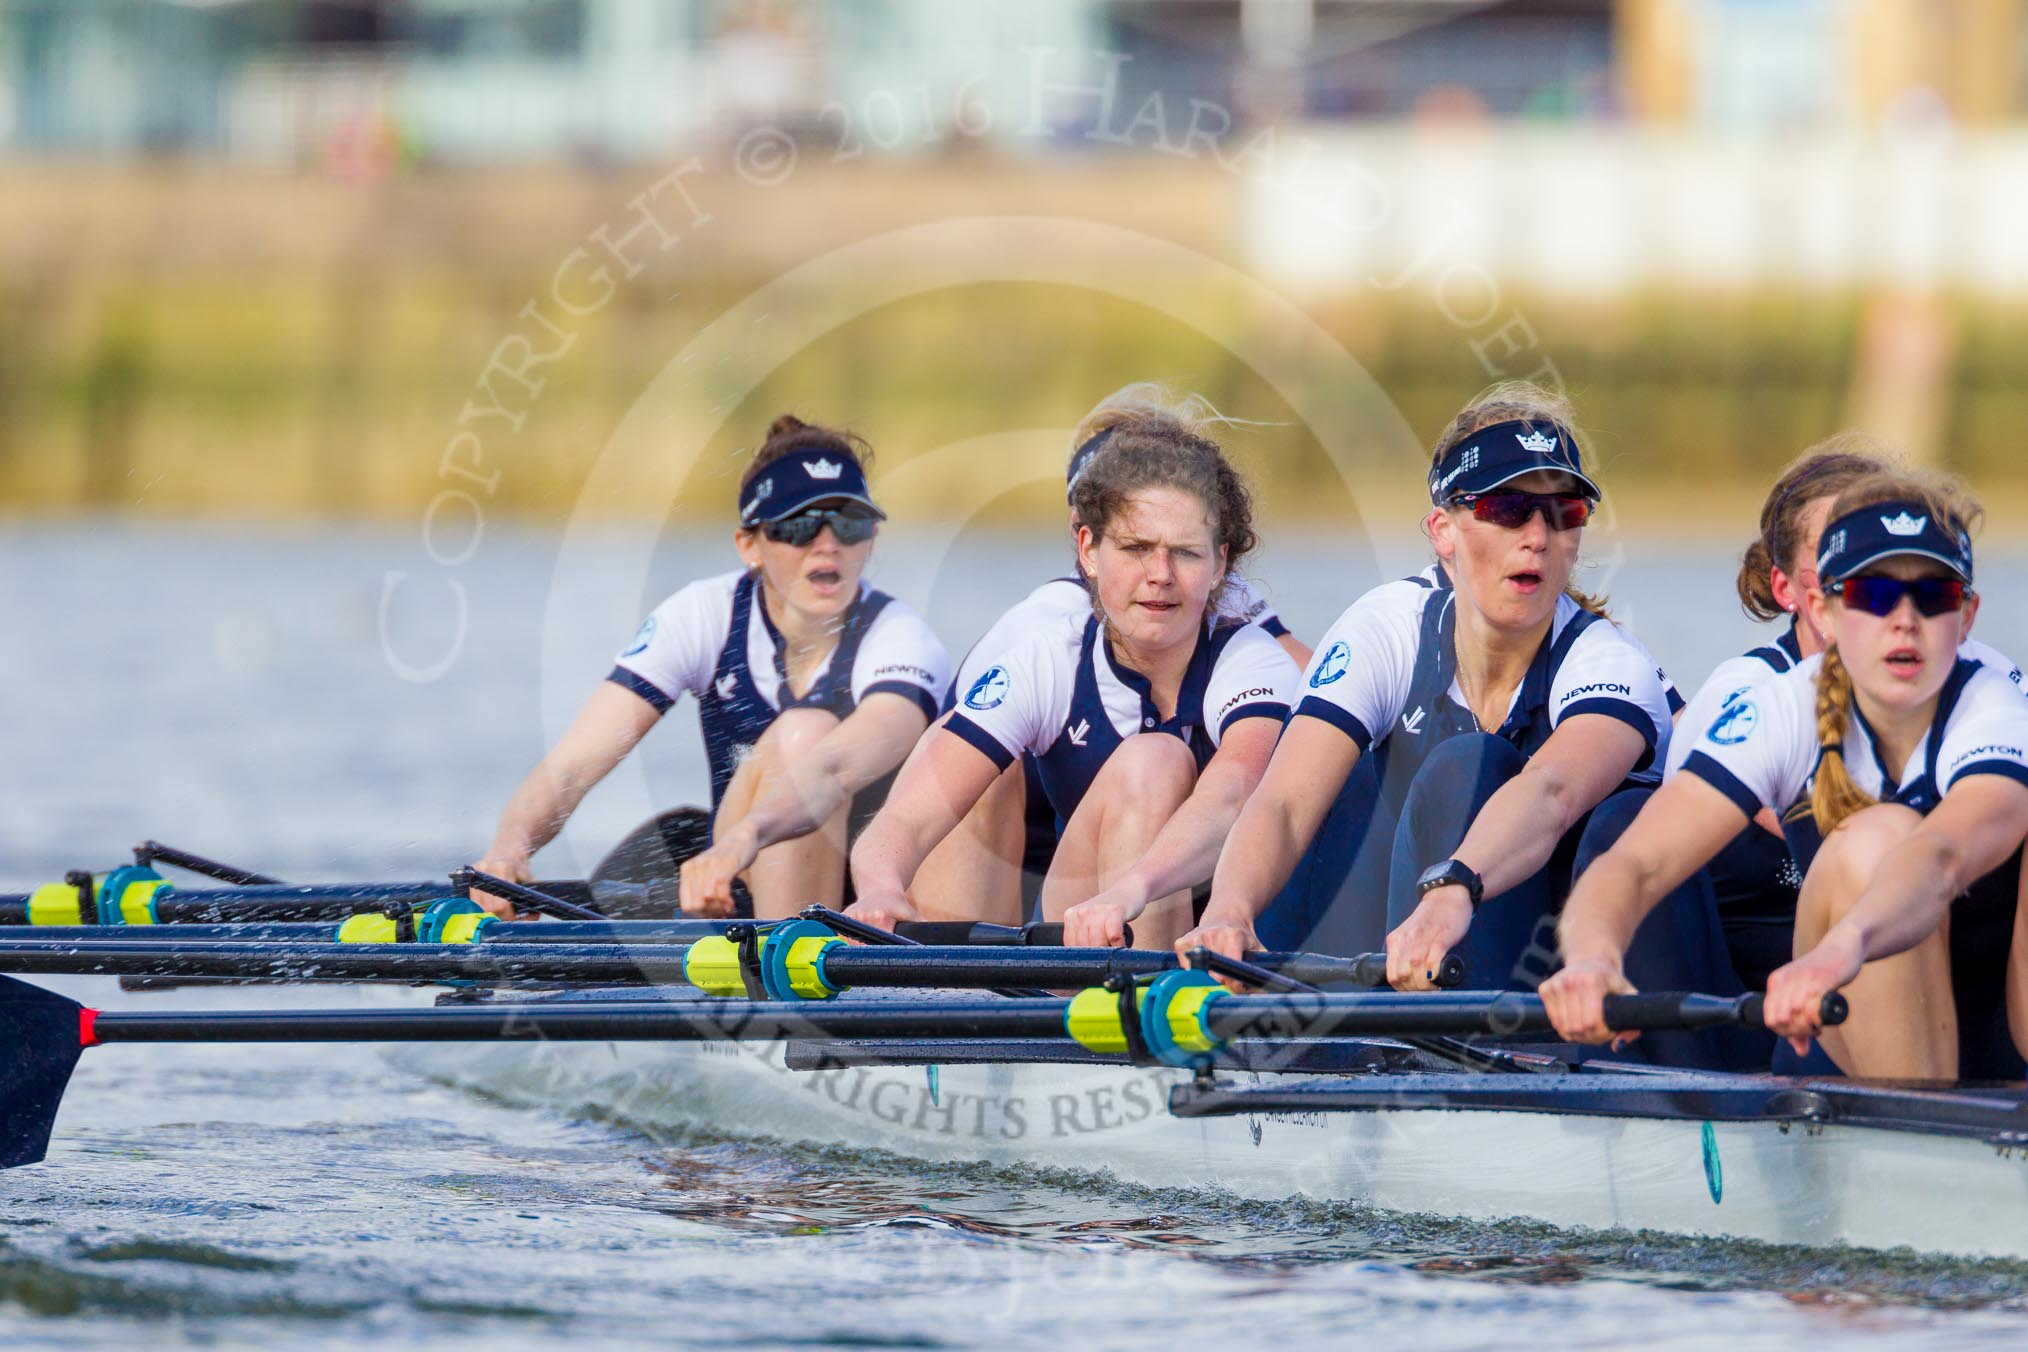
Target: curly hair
x=1157 y=441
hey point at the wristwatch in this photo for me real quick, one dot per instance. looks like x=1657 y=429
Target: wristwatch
x=1445 y=874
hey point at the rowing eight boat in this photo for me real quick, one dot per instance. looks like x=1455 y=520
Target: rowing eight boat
x=1371 y=1122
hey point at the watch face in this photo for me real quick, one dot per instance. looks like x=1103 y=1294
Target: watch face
x=1436 y=875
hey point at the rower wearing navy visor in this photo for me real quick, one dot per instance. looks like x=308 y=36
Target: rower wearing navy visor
x=1753 y=879
x=1479 y=729
x=811 y=689
x=992 y=865
x=1900 y=768
x=1150 y=715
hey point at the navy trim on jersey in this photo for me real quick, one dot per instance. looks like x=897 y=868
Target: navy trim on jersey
x=1633 y=715
x=2004 y=769
x=1783 y=653
x=733 y=712
x=642 y=686
x=908 y=690
x=1718 y=777
x=1260 y=708
x=1067 y=768
x=980 y=738
x=1346 y=722
x=1273 y=624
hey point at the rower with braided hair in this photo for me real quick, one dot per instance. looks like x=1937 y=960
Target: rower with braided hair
x=1898 y=760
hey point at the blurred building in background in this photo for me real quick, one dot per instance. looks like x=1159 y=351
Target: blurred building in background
x=288 y=230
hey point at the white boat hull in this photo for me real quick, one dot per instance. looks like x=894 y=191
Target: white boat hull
x=1768 y=1181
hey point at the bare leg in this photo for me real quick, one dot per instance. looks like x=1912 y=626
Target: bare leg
x=790 y=874
x=1129 y=803
x=1903 y=1023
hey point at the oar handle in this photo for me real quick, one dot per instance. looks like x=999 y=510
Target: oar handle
x=1632 y=1013
x=949 y=933
x=1368 y=969
x=465 y=879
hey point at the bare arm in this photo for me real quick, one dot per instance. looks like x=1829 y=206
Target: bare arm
x=1514 y=834
x=1186 y=849
x=927 y=803
x=1979 y=823
x=1281 y=817
x=611 y=723
x=872 y=740
x=1682 y=827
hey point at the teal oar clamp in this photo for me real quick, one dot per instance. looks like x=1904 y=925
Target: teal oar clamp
x=1172 y=1018
x=117 y=907
x=453 y=920
x=792 y=961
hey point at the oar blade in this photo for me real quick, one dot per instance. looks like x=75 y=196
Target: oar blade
x=41 y=1045
x=651 y=854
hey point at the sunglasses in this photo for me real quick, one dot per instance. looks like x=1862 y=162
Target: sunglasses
x=1877 y=595
x=1562 y=511
x=852 y=526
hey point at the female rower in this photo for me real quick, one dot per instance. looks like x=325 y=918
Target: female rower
x=811 y=687
x=1753 y=880
x=1901 y=768
x=1150 y=715
x=1476 y=723
x=991 y=865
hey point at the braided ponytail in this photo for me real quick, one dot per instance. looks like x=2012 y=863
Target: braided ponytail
x=1833 y=795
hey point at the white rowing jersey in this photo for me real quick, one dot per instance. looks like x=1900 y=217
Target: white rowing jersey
x=1060 y=695
x=1762 y=749
x=1736 y=675
x=1386 y=676
x=714 y=640
x=1068 y=598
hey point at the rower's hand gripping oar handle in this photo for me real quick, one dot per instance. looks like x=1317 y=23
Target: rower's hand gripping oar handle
x=1632 y=1013
x=1370 y=969
x=465 y=879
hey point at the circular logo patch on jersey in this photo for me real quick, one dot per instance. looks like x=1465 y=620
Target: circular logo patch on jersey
x=989 y=690
x=1736 y=722
x=642 y=638
x=1333 y=665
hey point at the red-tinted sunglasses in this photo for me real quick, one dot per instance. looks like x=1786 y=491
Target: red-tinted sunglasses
x=1562 y=511
x=1878 y=595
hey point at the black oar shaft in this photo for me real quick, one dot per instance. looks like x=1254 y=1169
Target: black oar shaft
x=152 y=953
x=151 y=852
x=738 y=1020
x=1501 y=1014
x=287 y=902
x=1229 y=1017
x=614 y=964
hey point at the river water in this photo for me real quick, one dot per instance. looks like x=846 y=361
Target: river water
x=257 y=695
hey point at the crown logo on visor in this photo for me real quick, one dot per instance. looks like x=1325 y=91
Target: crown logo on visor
x=1537 y=443
x=1904 y=524
x=823 y=469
